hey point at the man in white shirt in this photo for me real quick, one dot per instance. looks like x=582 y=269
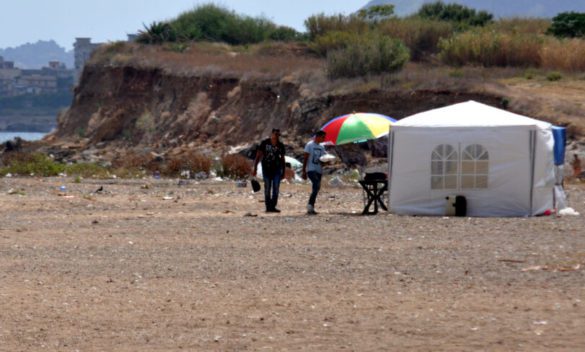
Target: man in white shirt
x=312 y=168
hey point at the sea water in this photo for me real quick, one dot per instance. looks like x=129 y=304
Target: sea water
x=27 y=136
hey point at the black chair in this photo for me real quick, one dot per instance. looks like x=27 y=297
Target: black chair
x=375 y=186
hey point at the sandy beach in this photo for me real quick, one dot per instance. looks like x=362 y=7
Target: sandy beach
x=151 y=265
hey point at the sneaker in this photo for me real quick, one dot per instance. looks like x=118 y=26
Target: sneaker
x=273 y=210
x=311 y=210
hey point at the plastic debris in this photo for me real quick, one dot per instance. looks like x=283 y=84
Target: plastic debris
x=16 y=192
x=336 y=182
x=568 y=212
x=201 y=176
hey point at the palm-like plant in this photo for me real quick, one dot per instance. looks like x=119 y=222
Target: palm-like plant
x=157 y=33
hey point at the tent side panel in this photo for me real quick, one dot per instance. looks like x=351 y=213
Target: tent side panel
x=508 y=191
x=544 y=172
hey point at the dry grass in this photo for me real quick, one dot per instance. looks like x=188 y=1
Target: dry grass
x=568 y=55
x=192 y=161
x=235 y=166
x=490 y=48
x=536 y=26
x=133 y=160
x=220 y=59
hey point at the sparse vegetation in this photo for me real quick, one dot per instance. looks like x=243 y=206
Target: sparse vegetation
x=235 y=166
x=28 y=164
x=193 y=162
x=38 y=164
x=367 y=42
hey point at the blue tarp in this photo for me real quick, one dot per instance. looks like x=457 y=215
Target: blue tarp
x=560 y=135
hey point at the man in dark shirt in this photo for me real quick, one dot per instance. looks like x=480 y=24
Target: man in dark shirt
x=271 y=151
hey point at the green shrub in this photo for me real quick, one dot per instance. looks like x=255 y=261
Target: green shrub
x=462 y=15
x=86 y=170
x=489 y=48
x=285 y=34
x=333 y=40
x=420 y=36
x=28 y=164
x=371 y=54
x=377 y=13
x=568 y=25
x=206 y=22
x=554 y=76
x=214 y=23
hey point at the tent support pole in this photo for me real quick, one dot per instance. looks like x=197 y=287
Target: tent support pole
x=390 y=166
x=532 y=169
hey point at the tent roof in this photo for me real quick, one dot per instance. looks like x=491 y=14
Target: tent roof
x=469 y=114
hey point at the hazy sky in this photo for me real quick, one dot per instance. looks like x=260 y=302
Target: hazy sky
x=23 y=21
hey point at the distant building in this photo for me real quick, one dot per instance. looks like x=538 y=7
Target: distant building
x=8 y=76
x=6 y=64
x=50 y=79
x=83 y=48
x=57 y=65
x=36 y=84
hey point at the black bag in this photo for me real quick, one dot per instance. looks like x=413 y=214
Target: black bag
x=255 y=185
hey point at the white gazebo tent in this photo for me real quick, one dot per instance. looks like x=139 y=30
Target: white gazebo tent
x=502 y=163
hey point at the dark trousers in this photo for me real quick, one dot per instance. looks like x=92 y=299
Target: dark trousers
x=271 y=190
x=315 y=178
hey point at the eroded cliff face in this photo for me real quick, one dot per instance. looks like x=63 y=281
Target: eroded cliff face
x=129 y=106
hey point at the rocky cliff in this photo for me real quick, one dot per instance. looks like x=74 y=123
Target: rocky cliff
x=133 y=105
x=169 y=103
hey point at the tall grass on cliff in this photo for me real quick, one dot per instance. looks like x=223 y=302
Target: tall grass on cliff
x=513 y=44
x=420 y=36
x=321 y=24
x=564 y=54
x=487 y=47
x=214 y=23
x=367 y=54
x=463 y=16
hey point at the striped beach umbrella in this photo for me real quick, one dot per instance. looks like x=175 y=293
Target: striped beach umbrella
x=357 y=127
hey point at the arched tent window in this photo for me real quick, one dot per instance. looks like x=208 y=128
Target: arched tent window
x=475 y=161
x=444 y=167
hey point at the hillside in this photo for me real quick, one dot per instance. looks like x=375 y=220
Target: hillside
x=37 y=55
x=500 y=8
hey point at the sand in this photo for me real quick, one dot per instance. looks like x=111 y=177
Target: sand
x=150 y=265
